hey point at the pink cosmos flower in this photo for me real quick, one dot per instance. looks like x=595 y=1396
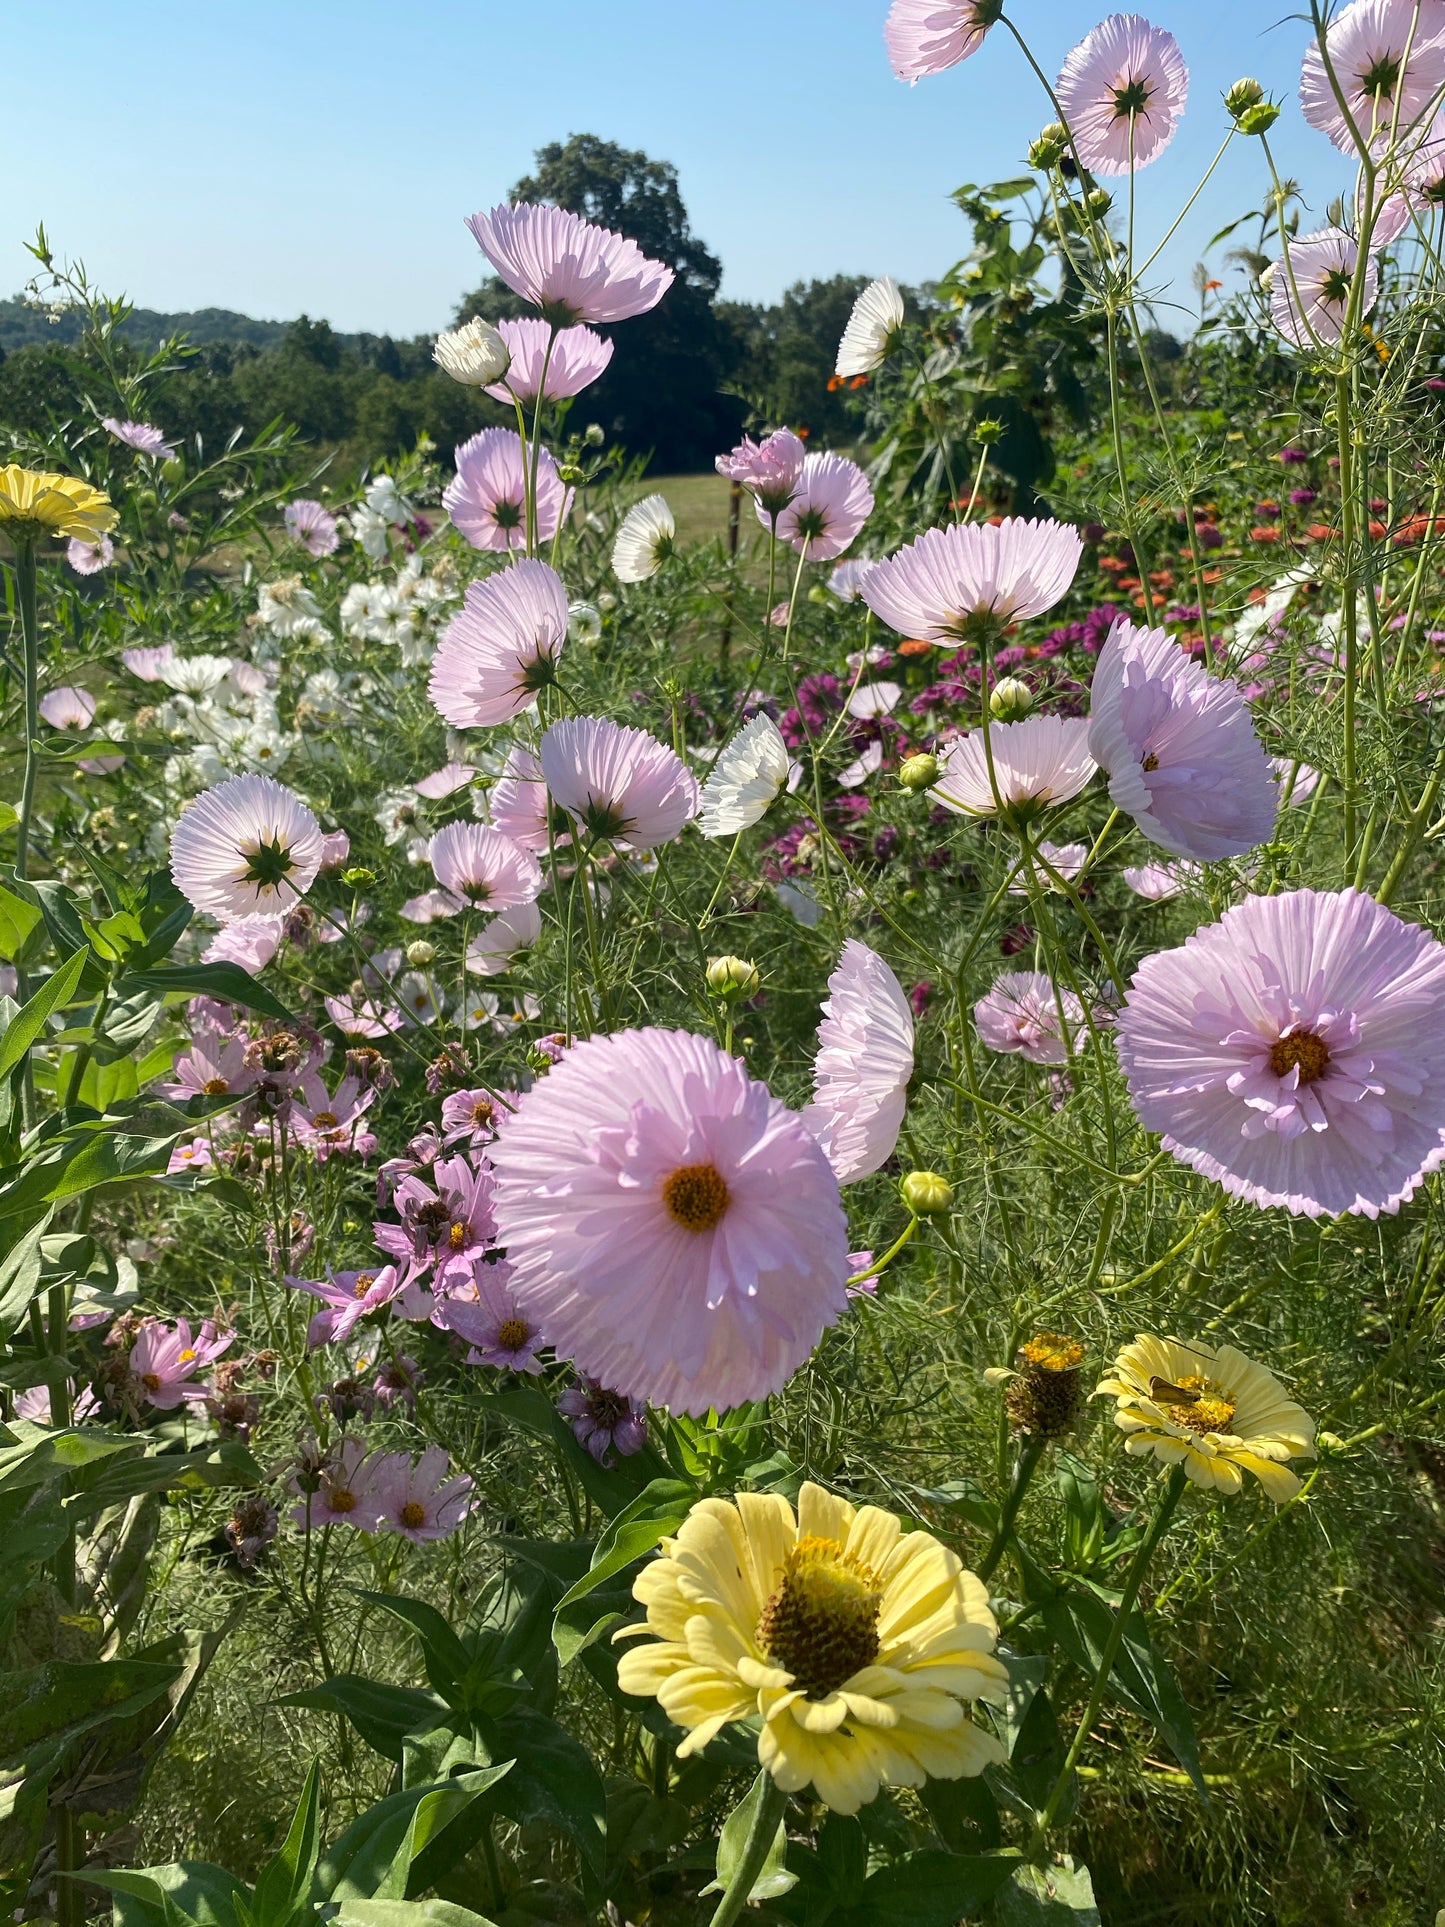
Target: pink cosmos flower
x=770 y=470
x=517 y=803
x=332 y=1126
x=1021 y=1013
x=419 y=1501
x=1295 y=1052
x=864 y=1062
x=502 y=648
x=249 y=844
x=1309 y=292
x=482 y=867
x=445 y=1225
x=1179 y=748
x=673 y=1228
x=487 y=496
x=569 y=268
x=496 y=946
x=198 y=1155
x=488 y=1317
x=345 y=1493
x=1386 y=92
x=250 y=942
x=1043 y=760
x=937 y=588
x=213 y=1065
x=1122 y=91
x=89 y=558
x=831 y=503
x=164 y=1361
x=445 y=781
x=140 y=436
x=846 y=581
x=619 y=783
x=146 y=663
x=604 y=1421
x=358 y=1018
x=929 y=36
x=1297 y=781
x=1067 y=858
x=313 y=526
x=474 y=1115
x=335 y=848
x=34 y=1404
x=346 y=1298
x=68 y=708
x=579 y=356
x=1161 y=882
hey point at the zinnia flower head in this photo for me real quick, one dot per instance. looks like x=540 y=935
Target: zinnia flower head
x=141 y=436
x=1021 y=1012
x=746 y=779
x=313 y=526
x=874 y=329
x=770 y=470
x=578 y=357
x=830 y=504
x=864 y=1062
x=859 y=1645
x=619 y=783
x=250 y=844
x=1309 y=292
x=487 y=497
x=1385 y=91
x=972 y=575
x=1216 y=1413
x=644 y=541
x=1295 y=1052
x=569 y=268
x=1122 y=91
x=481 y=866
x=35 y=503
x=502 y=647
x=476 y=355
x=1179 y=748
x=929 y=36
x=1037 y=763
x=674 y=1229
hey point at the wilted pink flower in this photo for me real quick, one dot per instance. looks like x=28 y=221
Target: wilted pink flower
x=445 y=1225
x=770 y=470
x=928 y=36
x=250 y=942
x=864 y=1062
x=419 y=1501
x=89 y=558
x=1179 y=748
x=604 y=1421
x=68 y=708
x=249 y=844
x=569 y=268
x=830 y=504
x=1295 y=1052
x=313 y=526
x=579 y=356
x=619 y=783
x=502 y=648
x=146 y=663
x=346 y=1298
x=939 y=587
x=1121 y=92
x=1021 y=1013
x=498 y=942
x=1386 y=93
x=1309 y=291
x=164 y=1361
x=673 y=1229
x=445 y=781
x=483 y=867
x=487 y=496
x=1037 y=763
x=140 y=436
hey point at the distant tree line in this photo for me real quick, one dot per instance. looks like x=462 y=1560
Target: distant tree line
x=685 y=381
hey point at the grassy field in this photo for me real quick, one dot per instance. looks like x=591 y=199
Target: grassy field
x=700 y=503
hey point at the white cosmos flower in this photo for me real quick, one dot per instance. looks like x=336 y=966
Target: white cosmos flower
x=384 y=498
x=745 y=779
x=288 y=608
x=644 y=541
x=194 y=675
x=871 y=335
x=584 y=622
x=473 y=354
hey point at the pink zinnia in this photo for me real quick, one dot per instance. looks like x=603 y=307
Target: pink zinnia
x=1179 y=748
x=937 y=588
x=929 y=36
x=569 y=268
x=1309 y=290
x=140 y=436
x=89 y=558
x=163 y=1362
x=250 y=942
x=579 y=356
x=1295 y=1052
x=1021 y=1013
x=1385 y=92
x=419 y=1501
x=481 y=866
x=249 y=844
x=1122 y=91
x=673 y=1228
x=619 y=783
x=497 y=944
x=487 y=497
x=864 y=1062
x=313 y=526
x=68 y=708
x=770 y=470
x=502 y=648
x=831 y=503
x=1039 y=762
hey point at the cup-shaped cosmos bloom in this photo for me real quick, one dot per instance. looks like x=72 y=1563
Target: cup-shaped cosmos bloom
x=312 y=525
x=830 y=504
x=928 y=36
x=1122 y=91
x=1309 y=290
x=934 y=589
x=248 y=845
x=1020 y=1012
x=487 y=497
x=571 y=269
x=483 y=867
x=1295 y=1052
x=141 y=436
x=674 y=1229
x=1037 y=763
x=644 y=540
x=578 y=357
x=1388 y=61
x=619 y=783
x=873 y=330
x=770 y=470
x=474 y=354
x=750 y=773
x=68 y=707
x=864 y=1062
x=1179 y=748
x=502 y=647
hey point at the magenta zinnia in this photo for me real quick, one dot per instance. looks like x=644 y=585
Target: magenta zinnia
x=952 y=579
x=487 y=497
x=1295 y=1052
x=1121 y=92
x=502 y=647
x=569 y=268
x=250 y=844
x=864 y=1062
x=674 y=1229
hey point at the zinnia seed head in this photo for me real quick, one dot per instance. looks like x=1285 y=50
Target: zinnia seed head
x=822 y=1621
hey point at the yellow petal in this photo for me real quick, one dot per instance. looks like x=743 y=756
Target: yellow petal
x=822 y=1515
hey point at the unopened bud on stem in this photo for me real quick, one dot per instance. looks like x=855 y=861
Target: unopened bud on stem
x=918 y=772
x=1010 y=700
x=926 y=1194
x=732 y=977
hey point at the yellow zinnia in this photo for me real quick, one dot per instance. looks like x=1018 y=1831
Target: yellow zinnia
x=34 y=504
x=856 y=1644
x=1216 y=1413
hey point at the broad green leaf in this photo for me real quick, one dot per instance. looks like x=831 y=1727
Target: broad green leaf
x=284 y=1882
x=639 y=1527
x=54 y=994
x=1061 y=1896
x=196 y=1890
x=224 y=980
x=552 y=1780
x=408 y=1913
x=61 y=1699
x=20 y=1274
x=931 y=1889
x=373 y=1857
x=773 y=1878
x=964 y=1812
x=446 y=1658
x=17 y=920
x=383 y=1715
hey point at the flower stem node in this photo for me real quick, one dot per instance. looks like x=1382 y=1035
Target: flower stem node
x=732 y=978
x=1011 y=700
x=926 y=1194
x=918 y=772
x=1049 y=149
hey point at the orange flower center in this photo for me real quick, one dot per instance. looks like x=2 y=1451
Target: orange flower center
x=1301 y=1050
x=513 y=1333
x=413 y=1514
x=696 y=1196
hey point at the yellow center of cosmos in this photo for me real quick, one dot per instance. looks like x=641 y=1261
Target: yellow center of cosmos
x=1212 y=1411
x=457 y=1236
x=513 y=1333
x=364 y=1281
x=821 y=1622
x=215 y=1087
x=413 y=1514
x=1300 y=1049
x=341 y=1500
x=326 y=1120
x=696 y=1196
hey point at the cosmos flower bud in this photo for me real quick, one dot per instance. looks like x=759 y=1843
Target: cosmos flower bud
x=1098 y=203
x=1243 y=95
x=732 y=977
x=474 y=354
x=593 y=435
x=420 y=953
x=358 y=878
x=987 y=432
x=1011 y=700
x=926 y=1194
x=1045 y=1390
x=918 y=772
x=1050 y=147
x=1259 y=118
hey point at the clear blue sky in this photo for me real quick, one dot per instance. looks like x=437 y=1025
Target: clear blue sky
x=279 y=156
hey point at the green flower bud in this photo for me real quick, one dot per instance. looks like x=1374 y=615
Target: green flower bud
x=1011 y=700
x=1050 y=148
x=1099 y=203
x=593 y=435
x=420 y=953
x=926 y=1194
x=918 y=772
x=987 y=432
x=358 y=878
x=732 y=977
x=1243 y=94
x=1258 y=120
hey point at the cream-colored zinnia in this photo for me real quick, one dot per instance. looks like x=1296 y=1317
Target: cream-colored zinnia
x=1216 y=1413
x=35 y=503
x=858 y=1645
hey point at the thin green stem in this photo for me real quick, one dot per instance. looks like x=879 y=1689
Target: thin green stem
x=1029 y=1456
